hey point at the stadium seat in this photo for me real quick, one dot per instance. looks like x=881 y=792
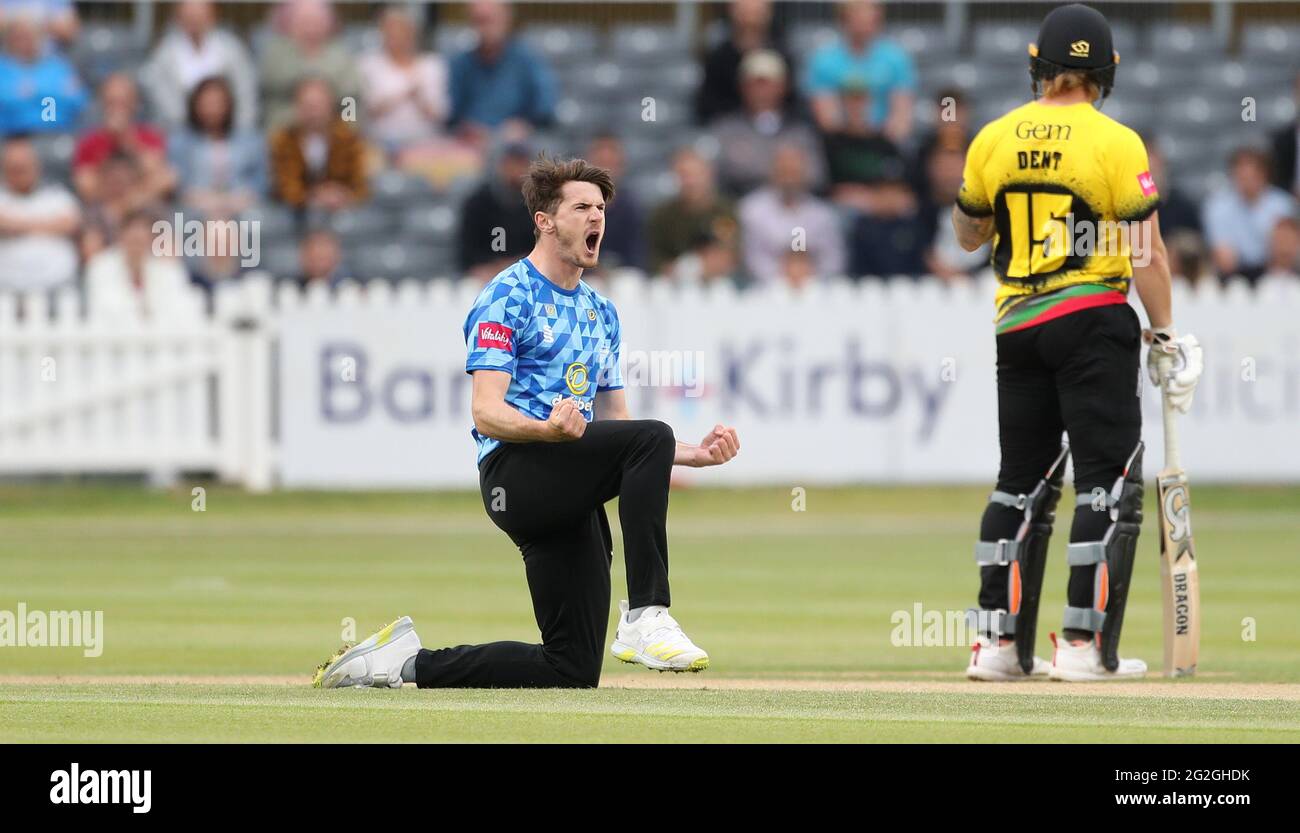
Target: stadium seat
x=452 y=40
x=280 y=260
x=603 y=80
x=563 y=44
x=389 y=261
x=103 y=49
x=394 y=189
x=361 y=38
x=1271 y=42
x=1125 y=38
x=1199 y=113
x=579 y=117
x=807 y=38
x=1180 y=43
x=55 y=152
x=678 y=80
x=363 y=224
x=274 y=221
x=645 y=44
x=430 y=225
x=994 y=40
x=925 y=43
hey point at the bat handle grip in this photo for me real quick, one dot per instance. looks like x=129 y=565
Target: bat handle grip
x=1164 y=367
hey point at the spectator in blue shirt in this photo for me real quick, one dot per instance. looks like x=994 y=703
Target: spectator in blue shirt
x=501 y=82
x=1239 y=218
x=865 y=57
x=39 y=90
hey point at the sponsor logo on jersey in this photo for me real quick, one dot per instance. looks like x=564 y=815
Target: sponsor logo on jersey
x=1147 y=183
x=550 y=310
x=591 y=315
x=548 y=335
x=583 y=405
x=1080 y=49
x=497 y=336
x=575 y=377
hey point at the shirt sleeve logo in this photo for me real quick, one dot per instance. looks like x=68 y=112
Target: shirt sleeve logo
x=495 y=336
x=1146 y=183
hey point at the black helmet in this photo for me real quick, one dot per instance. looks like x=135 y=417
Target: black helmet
x=1074 y=37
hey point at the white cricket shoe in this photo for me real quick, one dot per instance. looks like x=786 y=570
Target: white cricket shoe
x=376 y=662
x=994 y=663
x=1082 y=664
x=656 y=641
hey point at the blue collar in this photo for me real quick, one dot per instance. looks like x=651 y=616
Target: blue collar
x=532 y=270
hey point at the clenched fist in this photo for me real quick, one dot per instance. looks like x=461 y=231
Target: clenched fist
x=566 y=422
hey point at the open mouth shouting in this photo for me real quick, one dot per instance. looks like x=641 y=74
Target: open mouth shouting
x=593 y=242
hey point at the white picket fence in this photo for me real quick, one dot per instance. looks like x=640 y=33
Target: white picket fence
x=80 y=394
x=245 y=392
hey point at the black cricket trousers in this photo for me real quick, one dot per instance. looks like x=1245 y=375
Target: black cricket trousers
x=1079 y=374
x=550 y=499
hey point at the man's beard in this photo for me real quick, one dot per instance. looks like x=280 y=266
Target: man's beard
x=574 y=249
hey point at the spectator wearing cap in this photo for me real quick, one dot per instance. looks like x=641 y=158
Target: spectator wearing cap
x=496 y=228
x=749 y=137
x=129 y=281
x=697 y=213
x=194 y=49
x=623 y=245
x=1239 y=218
x=121 y=132
x=318 y=161
x=39 y=89
x=307 y=48
x=749 y=29
x=875 y=61
x=1286 y=149
x=783 y=217
x=37 y=224
x=858 y=156
x=501 y=82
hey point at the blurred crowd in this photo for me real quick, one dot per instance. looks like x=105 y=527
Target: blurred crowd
x=805 y=166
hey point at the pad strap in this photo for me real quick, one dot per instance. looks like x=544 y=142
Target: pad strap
x=996 y=553
x=1085 y=553
x=1084 y=618
x=991 y=621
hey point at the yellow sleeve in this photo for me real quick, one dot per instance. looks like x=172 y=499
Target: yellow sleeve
x=1133 y=191
x=973 y=198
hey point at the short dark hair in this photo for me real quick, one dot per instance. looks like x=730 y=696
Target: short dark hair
x=544 y=184
x=1249 y=153
x=192 y=103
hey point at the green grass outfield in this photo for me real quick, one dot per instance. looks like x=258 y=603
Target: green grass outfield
x=215 y=620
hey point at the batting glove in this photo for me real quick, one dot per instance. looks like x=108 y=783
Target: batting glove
x=1186 y=363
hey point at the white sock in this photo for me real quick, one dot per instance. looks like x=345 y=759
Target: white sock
x=408 y=670
x=635 y=613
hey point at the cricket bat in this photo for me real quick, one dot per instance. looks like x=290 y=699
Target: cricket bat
x=1180 y=584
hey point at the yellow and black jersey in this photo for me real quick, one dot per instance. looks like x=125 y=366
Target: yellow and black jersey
x=1056 y=180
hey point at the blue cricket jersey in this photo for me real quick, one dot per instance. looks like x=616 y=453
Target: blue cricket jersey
x=555 y=343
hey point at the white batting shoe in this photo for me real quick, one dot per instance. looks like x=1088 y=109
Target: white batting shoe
x=994 y=663
x=1082 y=664
x=377 y=662
x=656 y=641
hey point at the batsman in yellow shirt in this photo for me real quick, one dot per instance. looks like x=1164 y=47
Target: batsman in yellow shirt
x=1065 y=194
